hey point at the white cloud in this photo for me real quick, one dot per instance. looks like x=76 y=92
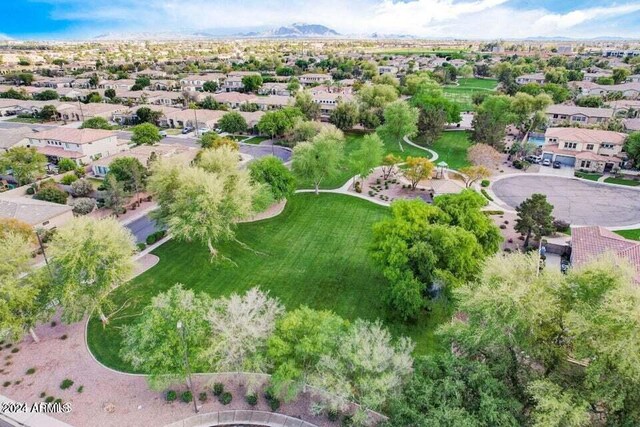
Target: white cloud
x=428 y=18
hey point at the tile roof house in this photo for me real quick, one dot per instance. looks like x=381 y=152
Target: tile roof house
x=10 y=138
x=581 y=115
x=530 y=78
x=80 y=145
x=590 y=242
x=591 y=150
x=37 y=213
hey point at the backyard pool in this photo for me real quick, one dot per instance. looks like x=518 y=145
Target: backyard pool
x=538 y=140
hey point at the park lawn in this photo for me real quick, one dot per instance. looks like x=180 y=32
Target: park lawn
x=462 y=93
x=476 y=83
x=629 y=234
x=351 y=143
x=622 y=181
x=452 y=147
x=315 y=254
x=418 y=51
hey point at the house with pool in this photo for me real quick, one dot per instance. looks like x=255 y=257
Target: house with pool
x=591 y=150
x=574 y=115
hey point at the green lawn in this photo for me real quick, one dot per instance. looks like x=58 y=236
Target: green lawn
x=316 y=253
x=589 y=176
x=256 y=139
x=622 y=181
x=351 y=143
x=629 y=234
x=462 y=93
x=452 y=147
x=24 y=120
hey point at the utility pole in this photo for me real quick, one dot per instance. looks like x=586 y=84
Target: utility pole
x=44 y=254
x=181 y=328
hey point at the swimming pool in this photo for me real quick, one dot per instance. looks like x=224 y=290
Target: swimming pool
x=538 y=140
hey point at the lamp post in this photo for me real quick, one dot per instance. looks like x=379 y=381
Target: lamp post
x=182 y=332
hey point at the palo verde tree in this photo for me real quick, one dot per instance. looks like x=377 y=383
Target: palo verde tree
x=89 y=259
x=156 y=346
x=320 y=158
x=366 y=156
x=400 y=119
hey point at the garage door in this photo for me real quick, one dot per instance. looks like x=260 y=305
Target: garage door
x=547 y=156
x=566 y=160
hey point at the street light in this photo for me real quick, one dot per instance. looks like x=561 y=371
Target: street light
x=181 y=328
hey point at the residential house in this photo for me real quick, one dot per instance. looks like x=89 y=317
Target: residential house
x=272 y=88
x=328 y=101
x=387 y=69
x=578 y=115
x=233 y=99
x=195 y=82
x=14 y=137
x=37 y=213
x=272 y=102
x=314 y=79
x=628 y=90
x=80 y=145
x=144 y=153
x=620 y=53
x=589 y=243
x=530 y=78
x=591 y=150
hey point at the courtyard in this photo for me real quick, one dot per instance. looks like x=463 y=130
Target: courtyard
x=576 y=201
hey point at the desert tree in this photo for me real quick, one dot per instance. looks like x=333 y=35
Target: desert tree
x=320 y=158
x=417 y=169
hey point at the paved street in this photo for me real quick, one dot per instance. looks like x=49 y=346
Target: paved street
x=578 y=202
x=141 y=228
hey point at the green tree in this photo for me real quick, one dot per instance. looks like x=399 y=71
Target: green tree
x=85 y=277
x=400 y=119
x=320 y=158
x=305 y=103
x=300 y=339
x=232 y=122
x=632 y=148
x=96 y=123
x=447 y=390
x=48 y=112
x=367 y=155
x=145 y=134
x=556 y=407
x=490 y=121
x=534 y=218
x=276 y=123
x=129 y=172
x=345 y=115
x=25 y=164
x=154 y=344
x=210 y=86
x=110 y=93
x=147 y=115
x=417 y=169
x=271 y=171
x=46 y=95
x=620 y=75
x=23 y=290
x=66 y=165
x=251 y=83
x=114 y=195
x=435 y=112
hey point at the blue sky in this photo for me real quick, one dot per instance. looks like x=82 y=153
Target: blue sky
x=429 y=18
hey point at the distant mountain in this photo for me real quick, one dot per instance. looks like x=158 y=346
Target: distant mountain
x=299 y=31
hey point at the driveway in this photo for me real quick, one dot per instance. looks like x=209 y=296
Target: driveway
x=141 y=228
x=576 y=201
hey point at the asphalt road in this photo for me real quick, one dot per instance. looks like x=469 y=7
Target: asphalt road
x=141 y=228
x=578 y=202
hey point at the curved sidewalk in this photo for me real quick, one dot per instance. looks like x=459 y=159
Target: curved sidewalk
x=241 y=417
x=434 y=155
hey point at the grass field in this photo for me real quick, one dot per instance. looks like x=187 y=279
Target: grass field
x=255 y=140
x=462 y=93
x=316 y=253
x=622 y=181
x=24 y=120
x=351 y=143
x=589 y=176
x=629 y=234
x=418 y=51
x=451 y=147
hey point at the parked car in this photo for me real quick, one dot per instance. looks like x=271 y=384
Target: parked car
x=163 y=133
x=533 y=159
x=203 y=130
x=187 y=130
x=557 y=165
x=546 y=162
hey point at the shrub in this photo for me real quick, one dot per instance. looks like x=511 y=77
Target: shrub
x=15 y=350
x=63 y=337
x=66 y=165
x=333 y=415
x=485 y=194
x=485 y=183
x=218 y=389
x=494 y=213
x=58 y=400
x=83 y=206
x=170 y=396
x=151 y=239
x=69 y=179
x=31 y=371
x=202 y=396
x=81 y=188
x=52 y=194
x=31 y=191
x=252 y=399
x=358 y=187
x=53 y=324
x=274 y=404
x=42 y=395
x=80 y=389
x=561 y=225
x=503 y=227
x=141 y=246
x=225 y=398
x=6 y=384
x=66 y=383
x=49 y=399
x=186 y=396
